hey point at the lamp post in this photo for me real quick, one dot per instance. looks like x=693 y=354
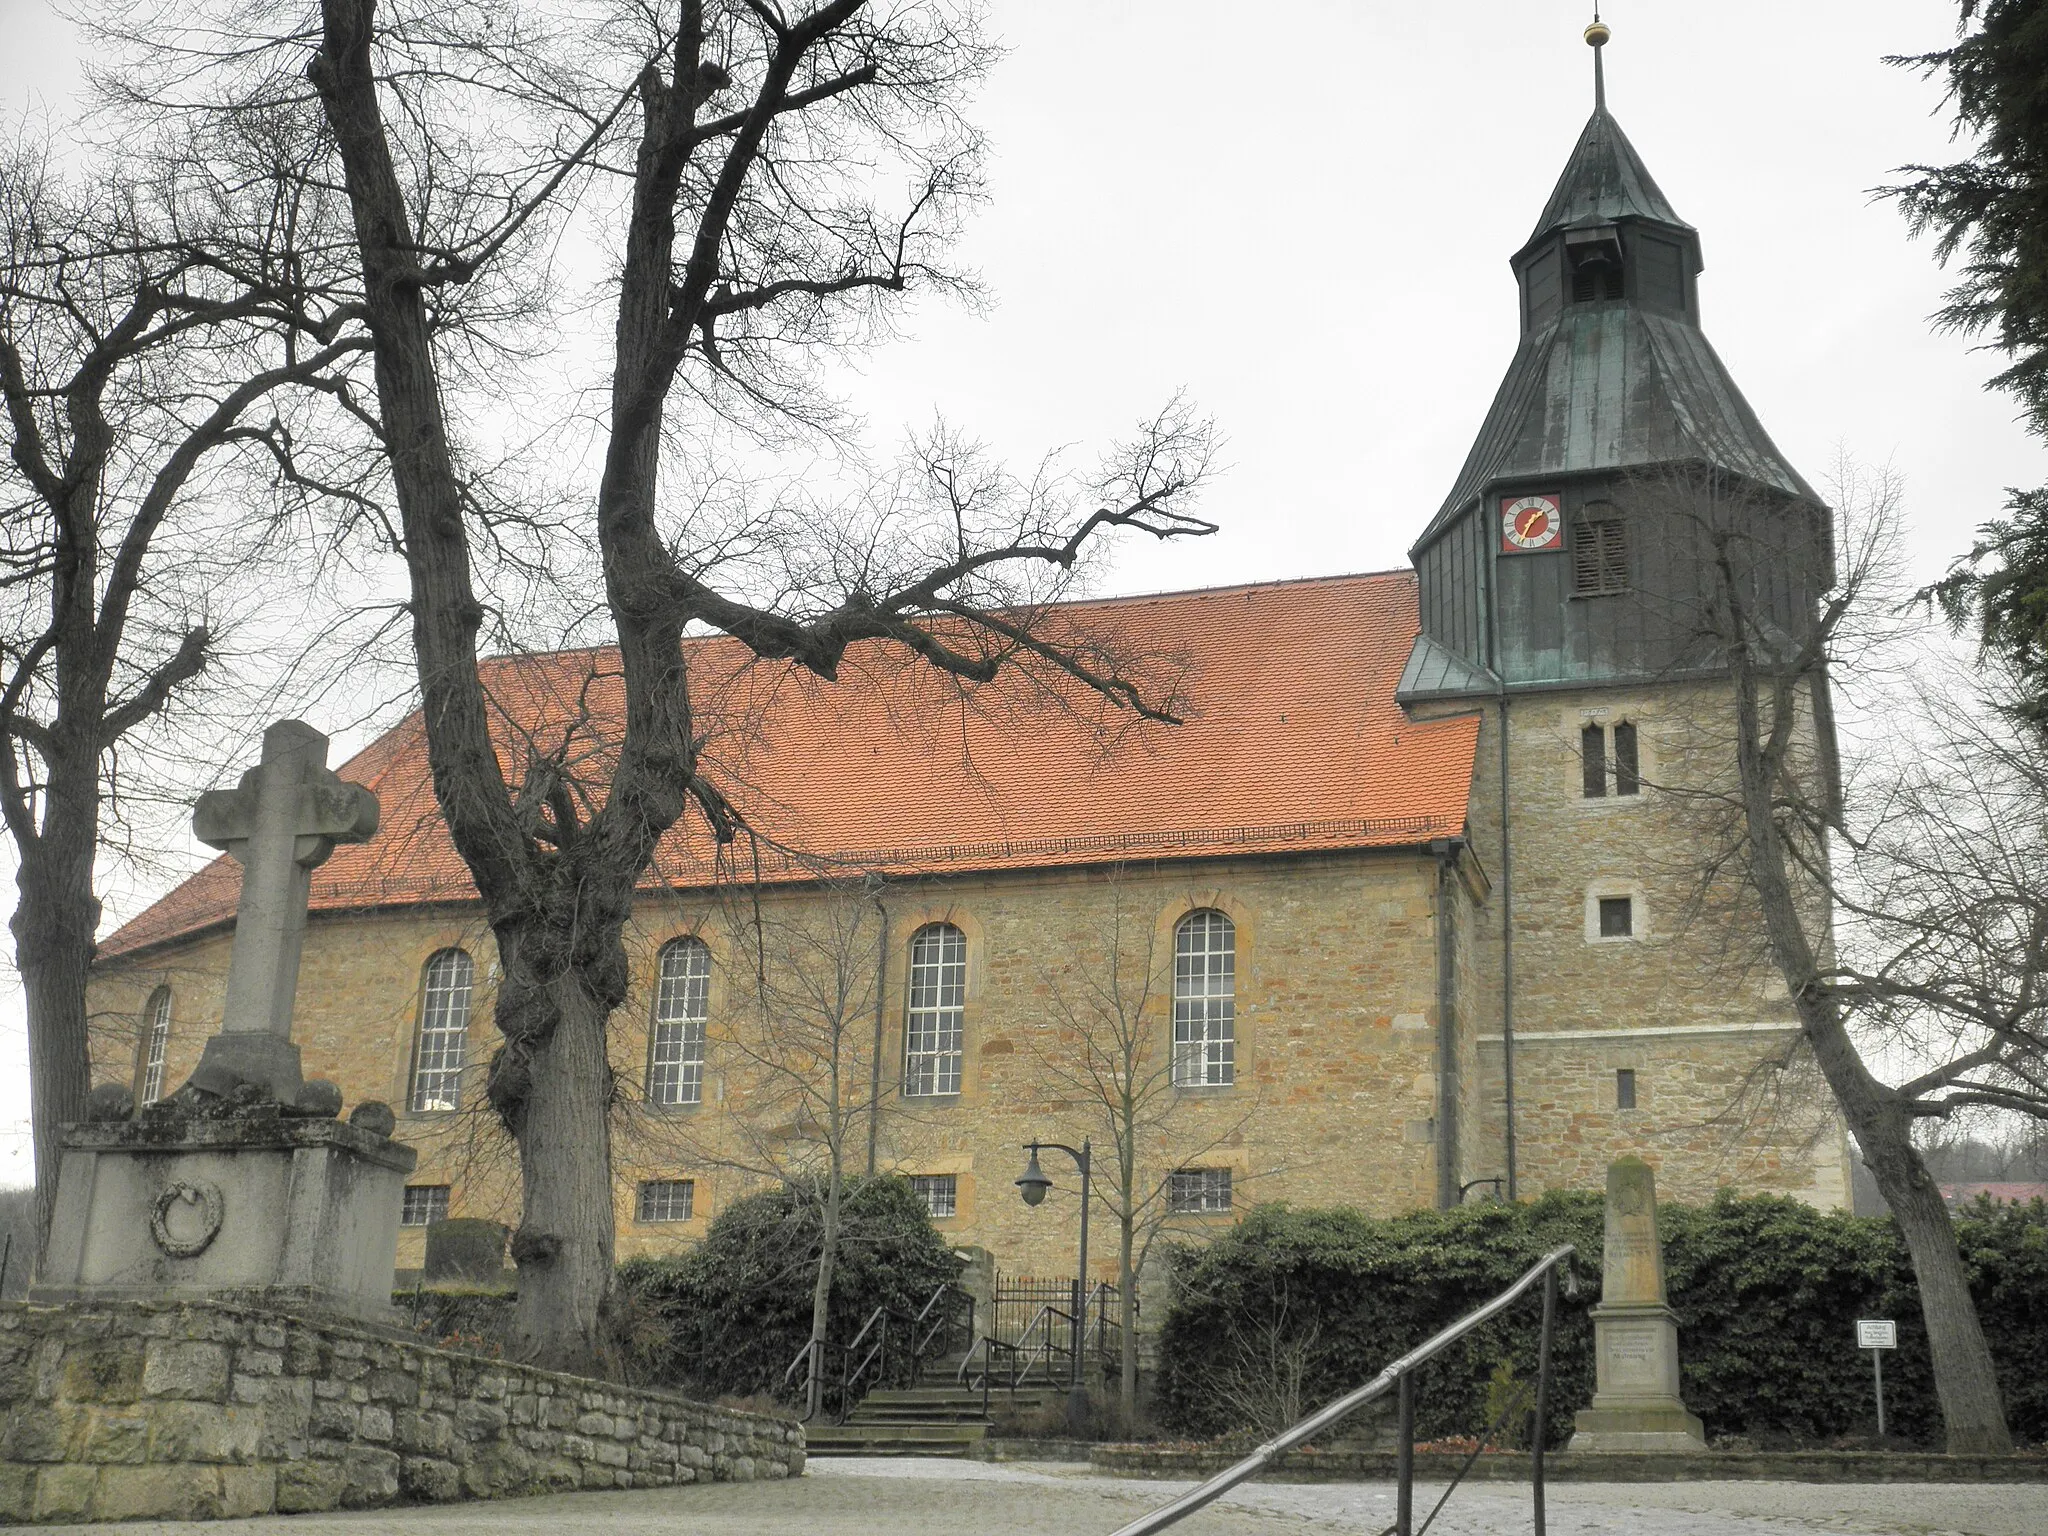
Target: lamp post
x=1032 y=1185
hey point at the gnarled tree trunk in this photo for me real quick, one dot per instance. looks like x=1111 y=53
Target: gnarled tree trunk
x=564 y=1245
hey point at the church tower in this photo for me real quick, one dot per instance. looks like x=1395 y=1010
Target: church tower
x=1561 y=586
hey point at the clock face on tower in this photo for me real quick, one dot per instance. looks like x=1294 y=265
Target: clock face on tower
x=1531 y=523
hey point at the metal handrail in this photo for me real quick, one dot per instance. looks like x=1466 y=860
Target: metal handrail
x=1397 y=1374
x=810 y=1352
x=1047 y=1346
x=942 y=1325
x=1097 y=1307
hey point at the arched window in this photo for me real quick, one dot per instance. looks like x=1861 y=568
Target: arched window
x=933 y=1031
x=1205 y=1001
x=443 y=1046
x=156 y=1038
x=675 y=1048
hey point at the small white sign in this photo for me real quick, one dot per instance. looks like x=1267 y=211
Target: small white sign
x=1876 y=1333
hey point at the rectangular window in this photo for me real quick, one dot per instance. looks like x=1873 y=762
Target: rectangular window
x=934 y=1033
x=1617 y=917
x=1593 y=761
x=1628 y=773
x=424 y=1205
x=1199 y=1191
x=1625 y=1088
x=666 y=1200
x=940 y=1192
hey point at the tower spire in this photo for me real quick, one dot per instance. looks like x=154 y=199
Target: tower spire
x=1596 y=38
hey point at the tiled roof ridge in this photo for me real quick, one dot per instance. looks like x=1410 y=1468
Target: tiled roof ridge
x=1390 y=573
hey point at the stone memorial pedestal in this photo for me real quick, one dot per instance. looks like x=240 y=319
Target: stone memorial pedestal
x=243 y=1186
x=1636 y=1403
x=292 y=1213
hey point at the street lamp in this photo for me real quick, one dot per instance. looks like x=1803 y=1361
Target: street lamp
x=1032 y=1185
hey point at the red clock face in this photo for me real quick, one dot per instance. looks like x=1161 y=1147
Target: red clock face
x=1531 y=523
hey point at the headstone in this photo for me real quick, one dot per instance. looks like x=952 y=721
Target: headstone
x=1636 y=1403
x=243 y=1185
x=466 y=1249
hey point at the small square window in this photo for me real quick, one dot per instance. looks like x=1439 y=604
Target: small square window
x=1624 y=1088
x=666 y=1200
x=424 y=1205
x=1199 y=1191
x=940 y=1193
x=1617 y=917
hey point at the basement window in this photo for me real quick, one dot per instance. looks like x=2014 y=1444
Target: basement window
x=424 y=1205
x=666 y=1200
x=1199 y=1191
x=1617 y=917
x=1624 y=1088
x=940 y=1193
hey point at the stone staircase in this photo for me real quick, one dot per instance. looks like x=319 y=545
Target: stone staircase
x=943 y=1419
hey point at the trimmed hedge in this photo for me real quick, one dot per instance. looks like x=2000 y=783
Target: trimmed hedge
x=727 y=1317
x=1766 y=1288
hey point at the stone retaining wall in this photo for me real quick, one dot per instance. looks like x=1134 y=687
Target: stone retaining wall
x=132 y=1410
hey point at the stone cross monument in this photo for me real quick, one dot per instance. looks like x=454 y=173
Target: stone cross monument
x=1636 y=1406
x=243 y=1185
x=280 y=824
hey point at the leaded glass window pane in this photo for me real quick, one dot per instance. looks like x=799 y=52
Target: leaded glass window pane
x=1205 y=1001
x=443 y=1049
x=934 y=1031
x=682 y=994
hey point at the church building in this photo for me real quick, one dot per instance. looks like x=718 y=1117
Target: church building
x=1404 y=915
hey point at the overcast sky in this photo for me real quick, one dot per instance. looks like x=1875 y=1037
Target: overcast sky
x=1306 y=222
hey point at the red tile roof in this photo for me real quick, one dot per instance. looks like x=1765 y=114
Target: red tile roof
x=1293 y=742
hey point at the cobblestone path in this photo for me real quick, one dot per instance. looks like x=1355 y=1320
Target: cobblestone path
x=910 y=1497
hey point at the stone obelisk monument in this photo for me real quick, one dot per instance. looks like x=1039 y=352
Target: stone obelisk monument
x=1636 y=1406
x=243 y=1184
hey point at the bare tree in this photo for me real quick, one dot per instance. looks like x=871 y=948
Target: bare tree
x=1896 y=892
x=800 y=1043
x=736 y=162
x=1107 y=1049
x=163 y=356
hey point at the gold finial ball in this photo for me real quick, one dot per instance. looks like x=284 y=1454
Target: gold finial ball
x=1597 y=35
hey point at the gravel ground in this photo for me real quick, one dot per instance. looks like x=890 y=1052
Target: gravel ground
x=919 y=1497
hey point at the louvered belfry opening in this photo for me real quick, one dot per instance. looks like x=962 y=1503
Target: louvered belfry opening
x=1597 y=281
x=1599 y=550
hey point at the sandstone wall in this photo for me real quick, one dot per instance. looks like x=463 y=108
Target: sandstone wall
x=1689 y=1003
x=136 y=1411
x=1336 y=1015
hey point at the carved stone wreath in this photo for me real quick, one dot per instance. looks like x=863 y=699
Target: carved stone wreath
x=211 y=1208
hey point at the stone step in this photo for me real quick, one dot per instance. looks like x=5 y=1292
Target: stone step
x=854 y=1439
